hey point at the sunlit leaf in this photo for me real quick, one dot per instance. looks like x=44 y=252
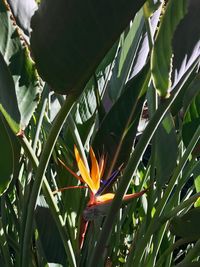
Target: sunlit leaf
x=16 y=55
x=192 y=115
x=123 y=62
x=133 y=53
x=84 y=112
x=162 y=52
x=166 y=150
x=196 y=177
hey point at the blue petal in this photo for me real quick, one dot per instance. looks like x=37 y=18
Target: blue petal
x=106 y=183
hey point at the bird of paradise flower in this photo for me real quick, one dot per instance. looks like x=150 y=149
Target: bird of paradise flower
x=93 y=179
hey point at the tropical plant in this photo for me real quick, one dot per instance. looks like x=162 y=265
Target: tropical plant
x=107 y=92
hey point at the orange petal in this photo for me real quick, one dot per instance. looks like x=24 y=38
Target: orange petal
x=134 y=195
x=84 y=172
x=95 y=174
x=105 y=198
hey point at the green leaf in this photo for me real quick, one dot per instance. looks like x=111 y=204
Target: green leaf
x=187 y=226
x=187 y=33
x=83 y=32
x=162 y=51
x=87 y=108
x=16 y=55
x=192 y=115
x=191 y=92
x=6 y=158
x=48 y=234
x=166 y=149
x=123 y=62
x=196 y=177
x=121 y=123
x=151 y=6
x=8 y=100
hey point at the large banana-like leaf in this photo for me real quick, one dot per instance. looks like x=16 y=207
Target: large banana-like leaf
x=70 y=38
x=161 y=58
x=123 y=62
x=84 y=112
x=133 y=53
x=21 y=67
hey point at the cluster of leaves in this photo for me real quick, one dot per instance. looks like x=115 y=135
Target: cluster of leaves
x=114 y=75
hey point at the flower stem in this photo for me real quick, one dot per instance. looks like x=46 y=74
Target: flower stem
x=39 y=177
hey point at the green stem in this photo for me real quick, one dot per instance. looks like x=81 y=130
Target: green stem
x=50 y=201
x=44 y=160
x=39 y=125
x=131 y=170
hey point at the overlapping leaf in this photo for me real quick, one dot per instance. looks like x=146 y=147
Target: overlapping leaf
x=83 y=32
x=161 y=58
x=187 y=33
x=166 y=150
x=192 y=114
x=133 y=53
x=16 y=55
x=120 y=124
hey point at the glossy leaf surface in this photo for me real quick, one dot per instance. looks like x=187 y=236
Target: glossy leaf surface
x=83 y=32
